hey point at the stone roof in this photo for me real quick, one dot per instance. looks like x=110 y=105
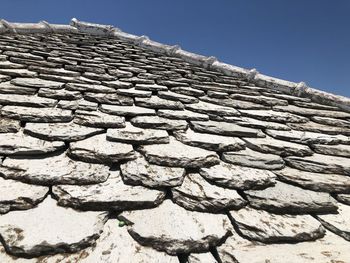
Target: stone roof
x=115 y=148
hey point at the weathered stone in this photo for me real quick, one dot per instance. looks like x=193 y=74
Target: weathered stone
x=53 y=169
x=156 y=122
x=254 y=159
x=89 y=88
x=209 y=108
x=196 y=194
x=37 y=83
x=139 y=81
x=7 y=88
x=238 y=177
x=319 y=163
x=36 y=114
x=315 y=181
x=331 y=121
x=201 y=257
x=9 y=125
x=4 y=78
x=182 y=115
x=134 y=135
x=109 y=98
x=135 y=93
x=337 y=223
x=270 y=115
x=98 y=119
x=237 y=104
x=60 y=94
x=54 y=71
x=177 y=97
x=26 y=100
x=188 y=91
x=224 y=128
x=286 y=198
x=337 y=150
x=126 y=110
x=134 y=70
x=217 y=95
x=176 y=229
x=77 y=105
x=278 y=147
x=18 y=73
x=151 y=87
x=269 y=101
x=60 y=131
x=97 y=149
x=272 y=228
x=120 y=73
x=117 y=84
x=19 y=196
x=344 y=198
x=320 y=128
x=257 y=124
x=140 y=172
x=112 y=194
x=25 y=237
x=10 y=65
x=178 y=154
x=23 y=55
x=210 y=141
x=158 y=103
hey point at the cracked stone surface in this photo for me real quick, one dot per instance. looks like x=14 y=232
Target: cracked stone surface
x=8 y=88
x=344 y=198
x=183 y=115
x=159 y=123
x=238 y=177
x=126 y=110
x=54 y=169
x=337 y=150
x=266 y=227
x=26 y=100
x=37 y=83
x=158 y=103
x=140 y=172
x=201 y=257
x=209 y=108
x=98 y=119
x=178 y=154
x=8 y=125
x=24 y=237
x=269 y=115
x=177 y=230
x=19 y=196
x=115 y=195
x=196 y=194
x=286 y=198
x=109 y=98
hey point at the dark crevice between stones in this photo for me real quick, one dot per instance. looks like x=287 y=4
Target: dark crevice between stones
x=183 y=258
x=215 y=254
x=242 y=194
x=22 y=124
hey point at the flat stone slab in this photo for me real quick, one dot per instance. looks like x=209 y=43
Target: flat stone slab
x=134 y=93
x=97 y=149
x=210 y=141
x=258 y=124
x=61 y=94
x=9 y=125
x=178 y=154
x=98 y=119
x=337 y=150
x=135 y=135
x=18 y=73
x=331 y=183
x=19 y=196
x=187 y=91
x=112 y=194
x=209 y=108
x=109 y=98
x=197 y=194
x=177 y=230
x=182 y=115
x=201 y=257
x=272 y=228
x=238 y=177
x=25 y=237
x=286 y=198
x=8 y=88
x=278 y=147
x=254 y=159
x=60 y=131
x=270 y=115
x=31 y=114
x=156 y=122
x=55 y=169
x=126 y=110
x=37 y=83
x=140 y=172
x=155 y=102
x=21 y=144
x=177 y=97
x=224 y=128
x=320 y=128
x=344 y=198
x=338 y=223
x=151 y=87
x=26 y=100
x=89 y=88
x=265 y=100
x=319 y=163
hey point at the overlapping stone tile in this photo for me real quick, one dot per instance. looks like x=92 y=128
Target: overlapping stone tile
x=132 y=92
x=19 y=196
x=117 y=84
x=26 y=100
x=112 y=194
x=8 y=88
x=237 y=104
x=60 y=94
x=24 y=237
x=201 y=257
x=18 y=73
x=267 y=227
x=258 y=124
x=97 y=149
x=177 y=230
x=60 y=131
x=89 y=88
x=54 y=71
x=331 y=121
x=9 y=125
x=155 y=102
x=197 y=194
x=187 y=90
x=178 y=154
x=4 y=78
x=265 y=100
x=170 y=95
x=333 y=150
x=151 y=87
x=320 y=128
x=270 y=115
x=109 y=98
x=126 y=110
x=344 y=198
x=285 y=198
x=209 y=108
x=155 y=122
x=98 y=119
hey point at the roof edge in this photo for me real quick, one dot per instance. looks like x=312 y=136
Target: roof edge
x=252 y=75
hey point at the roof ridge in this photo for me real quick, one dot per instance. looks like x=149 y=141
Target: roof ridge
x=298 y=89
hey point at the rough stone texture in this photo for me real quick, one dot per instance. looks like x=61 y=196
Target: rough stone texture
x=315 y=181
x=196 y=194
x=202 y=257
x=269 y=115
x=9 y=125
x=272 y=228
x=109 y=98
x=258 y=124
x=135 y=93
x=224 y=128
x=19 y=196
x=36 y=114
x=338 y=223
x=37 y=83
x=60 y=131
x=89 y=88
x=177 y=97
x=344 y=198
x=140 y=172
x=158 y=103
x=126 y=110
x=182 y=115
x=98 y=119
x=176 y=229
x=312 y=112
x=206 y=108
x=26 y=100
x=320 y=163
x=115 y=195
x=320 y=128
x=331 y=121
x=21 y=144
x=178 y=154
x=254 y=159
x=25 y=237
x=18 y=73
x=286 y=198
x=156 y=122
x=238 y=177
x=337 y=150
x=151 y=87
x=278 y=147
x=7 y=88
x=55 y=169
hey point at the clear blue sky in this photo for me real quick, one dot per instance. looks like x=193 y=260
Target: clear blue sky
x=297 y=40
